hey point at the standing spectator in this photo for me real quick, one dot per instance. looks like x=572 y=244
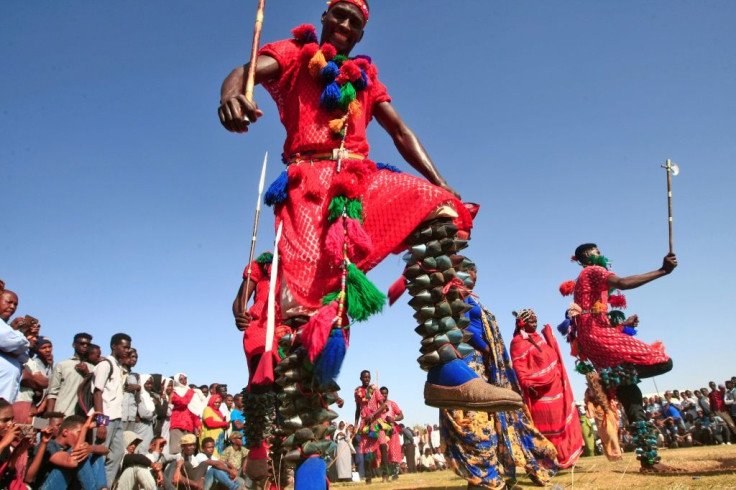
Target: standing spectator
x=34 y=379
x=226 y=408
x=237 y=419
x=13 y=348
x=434 y=438
x=131 y=392
x=391 y=415
x=718 y=406
x=729 y=398
x=94 y=355
x=689 y=404
x=214 y=424
x=704 y=402
x=183 y=420
x=109 y=400
x=146 y=417
x=167 y=392
x=409 y=449
x=67 y=376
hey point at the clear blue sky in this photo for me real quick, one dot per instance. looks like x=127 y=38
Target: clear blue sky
x=126 y=207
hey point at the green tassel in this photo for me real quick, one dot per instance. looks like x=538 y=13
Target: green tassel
x=265 y=258
x=347 y=95
x=337 y=204
x=355 y=209
x=330 y=297
x=340 y=58
x=363 y=297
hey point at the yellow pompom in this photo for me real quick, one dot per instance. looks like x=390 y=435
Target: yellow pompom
x=355 y=109
x=316 y=64
x=337 y=124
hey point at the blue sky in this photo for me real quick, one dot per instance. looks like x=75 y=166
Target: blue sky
x=128 y=208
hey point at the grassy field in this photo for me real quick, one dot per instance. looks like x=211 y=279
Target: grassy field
x=709 y=467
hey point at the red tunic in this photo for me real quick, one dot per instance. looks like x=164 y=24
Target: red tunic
x=553 y=407
x=394 y=204
x=395 y=454
x=604 y=345
x=254 y=337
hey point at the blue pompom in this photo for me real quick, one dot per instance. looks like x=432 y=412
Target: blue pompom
x=329 y=72
x=327 y=367
x=387 y=166
x=629 y=331
x=330 y=98
x=362 y=82
x=277 y=191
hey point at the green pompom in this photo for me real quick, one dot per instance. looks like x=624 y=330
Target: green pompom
x=347 y=95
x=265 y=258
x=363 y=297
x=616 y=317
x=337 y=204
x=340 y=58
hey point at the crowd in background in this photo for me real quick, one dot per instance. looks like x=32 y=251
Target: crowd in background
x=91 y=420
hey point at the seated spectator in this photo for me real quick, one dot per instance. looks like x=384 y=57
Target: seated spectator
x=13 y=447
x=427 y=461
x=136 y=471
x=189 y=474
x=439 y=459
x=720 y=430
x=235 y=455
x=219 y=471
x=701 y=432
x=70 y=461
x=13 y=348
x=36 y=458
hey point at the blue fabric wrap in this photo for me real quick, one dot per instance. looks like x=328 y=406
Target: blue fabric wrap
x=476 y=326
x=311 y=475
x=454 y=373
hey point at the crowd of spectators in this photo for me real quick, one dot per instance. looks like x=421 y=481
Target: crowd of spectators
x=681 y=418
x=92 y=422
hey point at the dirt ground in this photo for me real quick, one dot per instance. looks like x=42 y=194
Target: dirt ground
x=709 y=467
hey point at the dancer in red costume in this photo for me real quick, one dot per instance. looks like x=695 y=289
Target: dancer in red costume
x=342 y=214
x=610 y=348
x=547 y=392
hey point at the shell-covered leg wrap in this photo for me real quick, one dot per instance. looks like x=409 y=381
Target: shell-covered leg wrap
x=645 y=439
x=437 y=278
x=433 y=273
x=621 y=375
x=259 y=410
x=304 y=406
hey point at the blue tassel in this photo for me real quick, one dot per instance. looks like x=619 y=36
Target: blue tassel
x=629 y=331
x=330 y=98
x=329 y=72
x=564 y=327
x=327 y=367
x=387 y=166
x=277 y=191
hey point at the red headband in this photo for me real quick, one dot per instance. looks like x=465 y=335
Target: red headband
x=358 y=3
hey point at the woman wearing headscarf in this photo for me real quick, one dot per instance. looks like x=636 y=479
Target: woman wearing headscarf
x=214 y=424
x=183 y=420
x=167 y=391
x=146 y=414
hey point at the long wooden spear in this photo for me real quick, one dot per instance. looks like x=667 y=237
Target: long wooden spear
x=250 y=81
x=255 y=233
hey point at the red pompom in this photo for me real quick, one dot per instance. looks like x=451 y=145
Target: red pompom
x=567 y=288
x=304 y=33
x=309 y=50
x=351 y=70
x=617 y=300
x=329 y=51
